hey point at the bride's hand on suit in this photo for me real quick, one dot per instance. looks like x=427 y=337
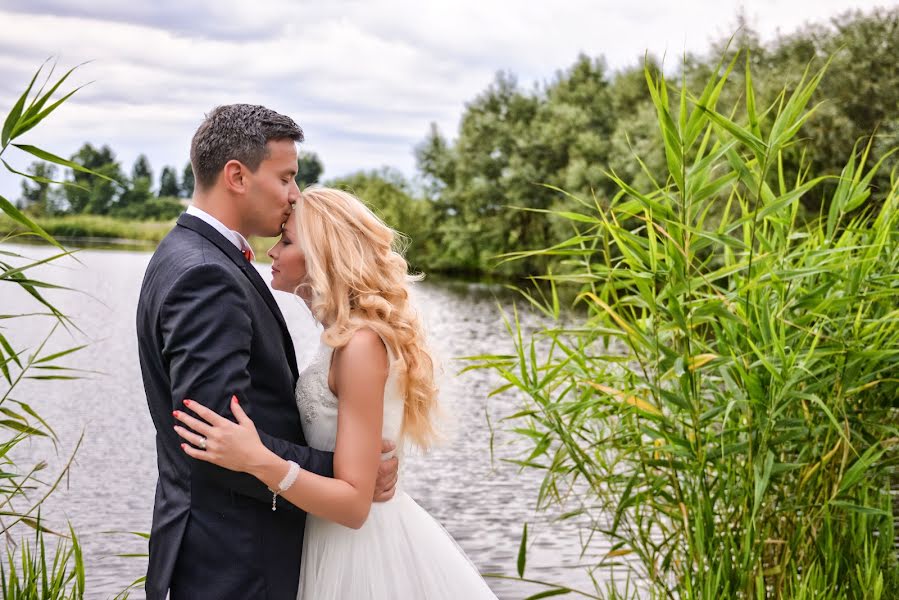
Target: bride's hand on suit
x=236 y=446
x=213 y=438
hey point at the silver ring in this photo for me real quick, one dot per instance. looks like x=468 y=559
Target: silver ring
x=202 y=443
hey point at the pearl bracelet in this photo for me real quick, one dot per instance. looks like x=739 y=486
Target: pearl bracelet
x=293 y=470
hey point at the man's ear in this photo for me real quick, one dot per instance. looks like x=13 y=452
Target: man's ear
x=234 y=176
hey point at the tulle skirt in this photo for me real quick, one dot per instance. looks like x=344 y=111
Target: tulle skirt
x=401 y=553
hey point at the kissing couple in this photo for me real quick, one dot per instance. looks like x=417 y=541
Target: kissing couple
x=273 y=483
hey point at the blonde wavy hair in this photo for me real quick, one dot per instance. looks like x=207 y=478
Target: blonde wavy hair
x=357 y=277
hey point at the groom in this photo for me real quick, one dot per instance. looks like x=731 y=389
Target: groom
x=208 y=328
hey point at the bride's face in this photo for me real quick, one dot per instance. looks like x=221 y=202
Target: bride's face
x=288 y=260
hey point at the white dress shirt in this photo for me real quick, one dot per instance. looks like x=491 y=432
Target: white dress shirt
x=232 y=236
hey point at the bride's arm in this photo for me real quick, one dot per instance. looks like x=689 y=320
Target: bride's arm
x=360 y=370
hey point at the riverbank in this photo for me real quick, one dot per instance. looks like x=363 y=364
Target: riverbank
x=110 y=233
x=96 y=231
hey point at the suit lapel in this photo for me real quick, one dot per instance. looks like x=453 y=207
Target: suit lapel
x=207 y=231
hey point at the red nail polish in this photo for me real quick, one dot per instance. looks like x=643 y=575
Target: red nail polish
x=187 y=403
x=175 y=413
x=234 y=400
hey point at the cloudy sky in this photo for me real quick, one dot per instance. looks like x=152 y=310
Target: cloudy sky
x=364 y=78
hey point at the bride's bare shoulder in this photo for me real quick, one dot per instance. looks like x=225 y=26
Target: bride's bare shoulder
x=364 y=351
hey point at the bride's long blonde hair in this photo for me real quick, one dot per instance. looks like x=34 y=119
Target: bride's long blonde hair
x=356 y=277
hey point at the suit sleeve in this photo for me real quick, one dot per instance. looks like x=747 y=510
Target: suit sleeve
x=207 y=335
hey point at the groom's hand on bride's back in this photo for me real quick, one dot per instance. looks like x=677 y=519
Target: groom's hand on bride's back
x=388 y=473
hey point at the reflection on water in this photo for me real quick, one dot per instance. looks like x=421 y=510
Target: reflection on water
x=482 y=500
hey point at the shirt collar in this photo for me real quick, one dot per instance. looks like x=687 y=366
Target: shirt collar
x=235 y=237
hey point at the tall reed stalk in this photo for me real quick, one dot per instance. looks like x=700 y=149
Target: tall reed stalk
x=723 y=403
x=28 y=572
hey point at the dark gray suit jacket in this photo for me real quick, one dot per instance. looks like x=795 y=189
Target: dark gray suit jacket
x=208 y=328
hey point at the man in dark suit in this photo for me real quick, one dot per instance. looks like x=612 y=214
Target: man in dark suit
x=208 y=328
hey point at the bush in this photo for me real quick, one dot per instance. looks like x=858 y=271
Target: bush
x=724 y=400
x=155 y=209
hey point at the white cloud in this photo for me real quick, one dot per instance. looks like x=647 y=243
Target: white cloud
x=364 y=78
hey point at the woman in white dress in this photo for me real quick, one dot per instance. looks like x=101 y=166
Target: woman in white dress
x=372 y=379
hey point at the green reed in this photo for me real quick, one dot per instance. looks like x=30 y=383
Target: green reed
x=31 y=576
x=721 y=406
x=33 y=568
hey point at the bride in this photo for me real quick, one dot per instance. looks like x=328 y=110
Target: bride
x=372 y=378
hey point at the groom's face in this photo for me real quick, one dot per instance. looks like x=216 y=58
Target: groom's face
x=272 y=190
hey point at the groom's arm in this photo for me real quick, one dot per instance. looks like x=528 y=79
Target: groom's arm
x=207 y=335
x=316 y=461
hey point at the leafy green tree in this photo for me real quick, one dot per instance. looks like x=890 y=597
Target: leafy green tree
x=573 y=126
x=36 y=197
x=860 y=90
x=136 y=194
x=142 y=169
x=436 y=163
x=489 y=168
x=587 y=122
x=94 y=195
x=857 y=98
x=168 y=183
x=139 y=190
x=390 y=196
x=187 y=181
x=510 y=144
x=309 y=169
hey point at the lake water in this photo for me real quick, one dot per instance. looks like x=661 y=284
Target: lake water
x=481 y=500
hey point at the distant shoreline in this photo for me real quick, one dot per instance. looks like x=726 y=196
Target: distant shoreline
x=102 y=232
x=99 y=232
x=107 y=233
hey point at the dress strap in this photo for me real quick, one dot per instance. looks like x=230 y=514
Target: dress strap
x=391 y=357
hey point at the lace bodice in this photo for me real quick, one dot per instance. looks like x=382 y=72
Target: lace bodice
x=318 y=406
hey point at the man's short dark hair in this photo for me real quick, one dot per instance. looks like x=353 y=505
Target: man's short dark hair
x=237 y=132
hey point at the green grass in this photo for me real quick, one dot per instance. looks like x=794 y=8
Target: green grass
x=31 y=576
x=721 y=403
x=94 y=226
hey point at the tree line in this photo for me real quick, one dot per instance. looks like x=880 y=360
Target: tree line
x=483 y=193
x=587 y=126
x=127 y=196
x=122 y=195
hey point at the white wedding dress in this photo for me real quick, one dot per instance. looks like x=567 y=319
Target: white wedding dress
x=401 y=552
